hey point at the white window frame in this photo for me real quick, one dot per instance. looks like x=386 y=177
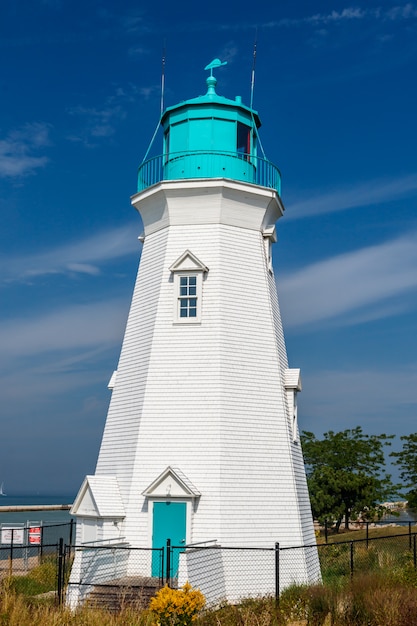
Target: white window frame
x=270 y=237
x=179 y=297
x=292 y=385
x=295 y=418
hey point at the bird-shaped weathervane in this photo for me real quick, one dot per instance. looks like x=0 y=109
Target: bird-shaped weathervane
x=213 y=64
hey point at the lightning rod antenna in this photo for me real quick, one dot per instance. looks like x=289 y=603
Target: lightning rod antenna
x=162 y=102
x=163 y=78
x=252 y=83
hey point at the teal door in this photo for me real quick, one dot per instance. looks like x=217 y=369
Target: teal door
x=169 y=522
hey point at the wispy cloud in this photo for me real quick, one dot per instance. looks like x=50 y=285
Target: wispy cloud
x=400 y=12
x=18 y=150
x=80 y=327
x=97 y=123
x=59 y=353
x=353 y=283
x=81 y=257
x=138 y=51
x=365 y=194
x=101 y=122
x=350 y=13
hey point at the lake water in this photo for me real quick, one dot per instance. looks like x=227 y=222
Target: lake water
x=405 y=516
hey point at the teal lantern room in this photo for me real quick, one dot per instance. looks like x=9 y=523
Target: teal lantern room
x=210 y=137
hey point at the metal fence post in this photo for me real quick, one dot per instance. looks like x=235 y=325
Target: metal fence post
x=325 y=530
x=60 y=586
x=351 y=559
x=161 y=564
x=71 y=536
x=11 y=554
x=415 y=552
x=367 y=535
x=41 y=546
x=168 y=563
x=409 y=534
x=277 y=572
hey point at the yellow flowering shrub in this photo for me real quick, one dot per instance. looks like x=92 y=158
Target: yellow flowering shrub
x=177 y=607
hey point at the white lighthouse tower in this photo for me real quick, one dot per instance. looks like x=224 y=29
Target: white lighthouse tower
x=201 y=443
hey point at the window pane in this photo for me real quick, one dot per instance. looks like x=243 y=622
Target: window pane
x=243 y=139
x=184 y=307
x=193 y=280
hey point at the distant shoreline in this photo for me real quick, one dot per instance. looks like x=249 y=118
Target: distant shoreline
x=13 y=508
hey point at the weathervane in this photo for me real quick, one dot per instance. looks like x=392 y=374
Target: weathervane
x=213 y=64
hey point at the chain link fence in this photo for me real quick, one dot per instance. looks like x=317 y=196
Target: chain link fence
x=24 y=545
x=233 y=573
x=346 y=558
x=113 y=574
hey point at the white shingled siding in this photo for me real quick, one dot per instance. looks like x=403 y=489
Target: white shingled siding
x=208 y=398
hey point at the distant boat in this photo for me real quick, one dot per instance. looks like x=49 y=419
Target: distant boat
x=1 y=490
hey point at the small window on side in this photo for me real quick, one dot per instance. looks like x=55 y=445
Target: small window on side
x=243 y=140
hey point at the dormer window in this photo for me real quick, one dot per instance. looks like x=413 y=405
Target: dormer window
x=188 y=273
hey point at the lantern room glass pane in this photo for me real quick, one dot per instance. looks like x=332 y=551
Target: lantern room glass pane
x=243 y=139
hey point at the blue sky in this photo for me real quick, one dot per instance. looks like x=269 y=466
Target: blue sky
x=336 y=91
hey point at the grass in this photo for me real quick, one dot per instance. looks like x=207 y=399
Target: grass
x=41 y=579
x=388 y=554
x=368 y=600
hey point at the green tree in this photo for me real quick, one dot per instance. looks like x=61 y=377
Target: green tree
x=346 y=474
x=407 y=461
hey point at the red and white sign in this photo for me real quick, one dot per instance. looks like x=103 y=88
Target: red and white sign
x=34 y=535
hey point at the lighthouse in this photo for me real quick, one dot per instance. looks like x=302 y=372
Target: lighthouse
x=201 y=443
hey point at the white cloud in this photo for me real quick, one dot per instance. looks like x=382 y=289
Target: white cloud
x=17 y=148
x=366 y=194
x=401 y=12
x=80 y=327
x=84 y=256
x=100 y=122
x=336 y=16
x=351 y=283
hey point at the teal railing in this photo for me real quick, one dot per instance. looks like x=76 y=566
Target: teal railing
x=182 y=165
